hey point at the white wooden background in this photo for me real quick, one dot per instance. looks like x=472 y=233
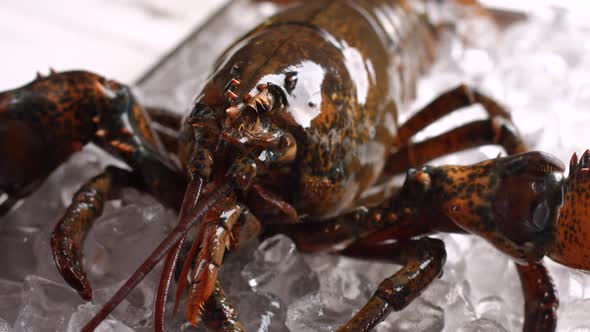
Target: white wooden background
x=120 y=38
x=116 y=38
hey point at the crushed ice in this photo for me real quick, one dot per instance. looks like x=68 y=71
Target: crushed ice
x=539 y=68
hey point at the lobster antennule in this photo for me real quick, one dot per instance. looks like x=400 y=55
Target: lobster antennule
x=185 y=223
x=571 y=246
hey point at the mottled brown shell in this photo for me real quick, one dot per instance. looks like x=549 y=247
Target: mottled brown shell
x=342 y=72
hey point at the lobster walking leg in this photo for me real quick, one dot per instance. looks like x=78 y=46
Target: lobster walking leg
x=473 y=134
x=87 y=205
x=540 y=296
x=219 y=315
x=166 y=125
x=403 y=216
x=499 y=131
x=446 y=103
x=215 y=236
x=423 y=261
x=222 y=314
x=386 y=221
x=184 y=224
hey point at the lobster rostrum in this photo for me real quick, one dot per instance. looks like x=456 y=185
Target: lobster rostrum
x=296 y=125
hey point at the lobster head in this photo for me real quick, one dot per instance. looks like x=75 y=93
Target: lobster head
x=250 y=134
x=512 y=202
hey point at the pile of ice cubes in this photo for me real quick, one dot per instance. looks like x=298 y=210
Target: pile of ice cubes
x=538 y=68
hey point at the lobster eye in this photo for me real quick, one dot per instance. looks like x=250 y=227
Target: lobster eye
x=202 y=116
x=290 y=81
x=199 y=110
x=279 y=95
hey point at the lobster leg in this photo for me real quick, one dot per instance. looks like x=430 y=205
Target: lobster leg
x=166 y=124
x=219 y=315
x=68 y=237
x=423 y=261
x=222 y=314
x=541 y=300
x=214 y=237
x=55 y=116
x=498 y=130
x=398 y=217
x=473 y=134
x=446 y=103
x=170 y=242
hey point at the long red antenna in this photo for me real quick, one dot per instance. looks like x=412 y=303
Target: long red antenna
x=164 y=286
x=165 y=246
x=188 y=204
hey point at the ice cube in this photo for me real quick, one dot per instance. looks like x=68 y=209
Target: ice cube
x=419 y=316
x=47 y=306
x=18 y=257
x=279 y=269
x=482 y=325
x=136 y=310
x=476 y=63
x=573 y=316
x=495 y=309
x=85 y=312
x=457 y=303
x=485 y=266
x=260 y=312
x=571 y=285
x=122 y=238
x=10 y=299
x=344 y=289
x=308 y=315
x=4 y=326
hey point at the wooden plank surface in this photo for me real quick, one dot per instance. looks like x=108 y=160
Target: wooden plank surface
x=117 y=38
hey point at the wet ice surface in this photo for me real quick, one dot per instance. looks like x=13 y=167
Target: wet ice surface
x=538 y=68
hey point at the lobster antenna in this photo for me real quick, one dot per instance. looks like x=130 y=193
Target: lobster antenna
x=188 y=204
x=201 y=208
x=164 y=286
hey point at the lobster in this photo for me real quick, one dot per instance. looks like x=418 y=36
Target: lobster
x=297 y=123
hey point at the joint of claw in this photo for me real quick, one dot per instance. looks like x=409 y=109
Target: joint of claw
x=424 y=179
x=105 y=91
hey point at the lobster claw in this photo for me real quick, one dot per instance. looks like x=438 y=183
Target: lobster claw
x=571 y=246
x=34 y=138
x=513 y=202
x=20 y=144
